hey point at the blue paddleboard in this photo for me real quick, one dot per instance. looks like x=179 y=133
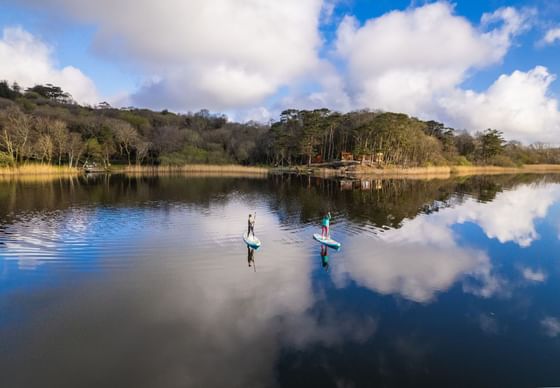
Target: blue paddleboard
x=326 y=241
x=251 y=241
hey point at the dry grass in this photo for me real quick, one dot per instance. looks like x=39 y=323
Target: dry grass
x=199 y=169
x=425 y=172
x=489 y=170
x=448 y=171
x=236 y=170
x=38 y=169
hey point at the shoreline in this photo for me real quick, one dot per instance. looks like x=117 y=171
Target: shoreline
x=225 y=169
x=451 y=171
x=356 y=171
x=440 y=172
x=44 y=170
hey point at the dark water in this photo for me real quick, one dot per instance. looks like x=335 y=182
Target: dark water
x=145 y=282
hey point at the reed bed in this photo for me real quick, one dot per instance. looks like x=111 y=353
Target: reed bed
x=229 y=169
x=489 y=170
x=447 y=171
x=38 y=169
x=433 y=171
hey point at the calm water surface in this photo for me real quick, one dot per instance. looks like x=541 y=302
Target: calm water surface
x=145 y=282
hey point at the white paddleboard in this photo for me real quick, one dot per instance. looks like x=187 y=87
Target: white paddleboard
x=251 y=241
x=326 y=241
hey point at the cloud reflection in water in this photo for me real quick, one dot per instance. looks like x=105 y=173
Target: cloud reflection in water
x=424 y=257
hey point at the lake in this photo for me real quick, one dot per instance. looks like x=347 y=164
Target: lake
x=115 y=281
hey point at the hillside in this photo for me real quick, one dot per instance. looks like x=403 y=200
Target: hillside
x=44 y=125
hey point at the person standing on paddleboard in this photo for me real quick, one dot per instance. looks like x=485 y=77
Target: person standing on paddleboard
x=325 y=224
x=251 y=225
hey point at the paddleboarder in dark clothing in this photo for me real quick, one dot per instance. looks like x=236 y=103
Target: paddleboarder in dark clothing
x=251 y=225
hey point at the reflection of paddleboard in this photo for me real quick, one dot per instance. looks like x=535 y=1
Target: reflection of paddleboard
x=326 y=241
x=251 y=241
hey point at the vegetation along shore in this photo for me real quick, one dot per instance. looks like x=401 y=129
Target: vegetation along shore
x=43 y=131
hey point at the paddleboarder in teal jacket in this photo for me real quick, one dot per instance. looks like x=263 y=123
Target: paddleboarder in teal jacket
x=325 y=223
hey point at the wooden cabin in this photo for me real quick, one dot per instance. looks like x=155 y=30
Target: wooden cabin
x=372 y=159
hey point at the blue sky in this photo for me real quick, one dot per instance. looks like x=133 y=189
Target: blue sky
x=72 y=46
x=252 y=59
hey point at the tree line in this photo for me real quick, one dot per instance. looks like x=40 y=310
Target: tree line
x=43 y=124
x=386 y=138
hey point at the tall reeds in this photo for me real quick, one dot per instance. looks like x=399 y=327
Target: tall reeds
x=194 y=168
x=38 y=169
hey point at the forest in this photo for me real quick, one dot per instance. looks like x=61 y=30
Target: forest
x=43 y=124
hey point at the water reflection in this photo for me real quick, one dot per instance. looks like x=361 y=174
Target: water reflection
x=251 y=258
x=438 y=282
x=325 y=257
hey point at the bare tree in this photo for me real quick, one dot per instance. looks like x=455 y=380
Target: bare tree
x=107 y=149
x=59 y=134
x=75 y=147
x=15 y=130
x=127 y=137
x=142 y=149
x=45 y=147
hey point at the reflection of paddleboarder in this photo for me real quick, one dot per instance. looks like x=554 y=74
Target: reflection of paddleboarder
x=251 y=257
x=325 y=257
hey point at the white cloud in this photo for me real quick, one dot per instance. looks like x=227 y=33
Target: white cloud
x=416 y=60
x=552 y=36
x=510 y=217
x=533 y=275
x=330 y=91
x=423 y=257
x=243 y=55
x=416 y=271
x=260 y=114
x=551 y=326
x=519 y=104
x=27 y=60
x=404 y=59
x=217 y=54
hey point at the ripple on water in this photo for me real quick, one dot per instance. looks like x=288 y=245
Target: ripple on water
x=83 y=238
x=77 y=236
x=111 y=237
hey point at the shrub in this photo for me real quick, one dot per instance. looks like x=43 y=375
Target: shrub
x=194 y=155
x=462 y=161
x=6 y=160
x=502 y=161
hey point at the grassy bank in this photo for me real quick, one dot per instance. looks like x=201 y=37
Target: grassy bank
x=238 y=170
x=446 y=171
x=527 y=168
x=38 y=169
x=193 y=168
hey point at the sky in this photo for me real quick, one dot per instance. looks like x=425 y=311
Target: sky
x=471 y=64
